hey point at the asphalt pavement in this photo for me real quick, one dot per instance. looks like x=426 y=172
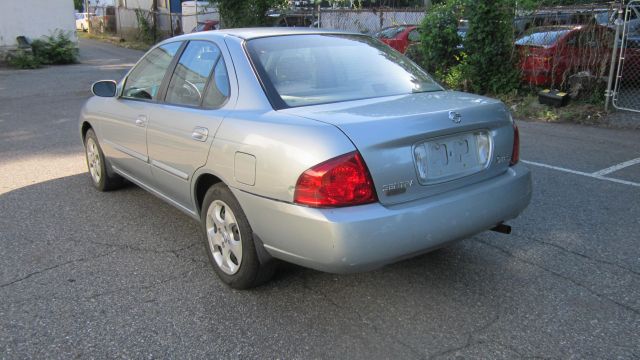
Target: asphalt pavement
x=85 y=274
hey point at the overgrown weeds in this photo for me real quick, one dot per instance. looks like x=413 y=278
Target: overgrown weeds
x=54 y=49
x=22 y=59
x=57 y=49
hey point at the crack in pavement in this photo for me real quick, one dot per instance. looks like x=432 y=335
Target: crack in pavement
x=55 y=267
x=143 y=287
x=175 y=252
x=469 y=341
x=581 y=255
x=139 y=249
x=585 y=287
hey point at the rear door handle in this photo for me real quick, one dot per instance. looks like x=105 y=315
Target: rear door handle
x=141 y=121
x=200 y=134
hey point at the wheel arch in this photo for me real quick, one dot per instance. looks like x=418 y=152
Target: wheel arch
x=203 y=182
x=84 y=128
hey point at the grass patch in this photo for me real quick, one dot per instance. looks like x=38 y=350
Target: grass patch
x=115 y=40
x=527 y=107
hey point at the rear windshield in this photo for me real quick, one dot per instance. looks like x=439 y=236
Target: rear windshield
x=300 y=70
x=542 y=38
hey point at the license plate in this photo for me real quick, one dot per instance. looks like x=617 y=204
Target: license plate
x=451 y=157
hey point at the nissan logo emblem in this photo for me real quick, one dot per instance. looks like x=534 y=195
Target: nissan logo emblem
x=456 y=117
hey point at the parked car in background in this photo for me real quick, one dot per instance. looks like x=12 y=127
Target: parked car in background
x=608 y=18
x=551 y=17
x=82 y=21
x=206 y=26
x=550 y=54
x=399 y=37
x=322 y=148
x=104 y=19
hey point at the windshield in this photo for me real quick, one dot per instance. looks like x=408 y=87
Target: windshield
x=301 y=70
x=542 y=38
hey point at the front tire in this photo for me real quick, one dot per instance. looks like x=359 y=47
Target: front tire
x=97 y=165
x=229 y=241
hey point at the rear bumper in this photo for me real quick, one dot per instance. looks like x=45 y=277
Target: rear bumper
x=365 y=237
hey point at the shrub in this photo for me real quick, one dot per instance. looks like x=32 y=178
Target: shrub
x=454 y=78
x=490 y=62
x=146 y=26
x=439 y=38
x=414 y=52
x=23 y=60
x=56 y=48
x=245 y=13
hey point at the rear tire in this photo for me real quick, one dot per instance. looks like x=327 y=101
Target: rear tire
x=97 y=165
x=229 y=241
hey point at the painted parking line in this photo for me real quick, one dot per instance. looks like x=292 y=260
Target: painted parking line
x=596 y=175
x=617 y=167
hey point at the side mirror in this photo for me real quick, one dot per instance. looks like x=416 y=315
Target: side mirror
x=104 y=88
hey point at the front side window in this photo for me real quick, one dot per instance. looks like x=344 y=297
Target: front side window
x=414 y=35
x=145 y=79
x=300 y=70
x=188 y=85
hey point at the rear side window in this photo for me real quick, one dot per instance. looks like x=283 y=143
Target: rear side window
x=145 y=79
x=200 y=75
x=218 y=90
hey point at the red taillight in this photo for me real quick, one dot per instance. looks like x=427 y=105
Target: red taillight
x=515 y=153
x=341 y=181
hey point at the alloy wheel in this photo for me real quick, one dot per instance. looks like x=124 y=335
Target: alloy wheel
x=223 y=235
x=93 y=160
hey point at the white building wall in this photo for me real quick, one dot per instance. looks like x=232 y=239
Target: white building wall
x=34 y=18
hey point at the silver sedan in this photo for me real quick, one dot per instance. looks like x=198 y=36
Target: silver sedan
x=325 y=149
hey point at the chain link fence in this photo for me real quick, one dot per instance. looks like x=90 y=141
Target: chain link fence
x=567 y=48
x=146 y=25
x=368 y=20
x=626 y=95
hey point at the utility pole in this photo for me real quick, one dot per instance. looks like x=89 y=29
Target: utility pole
x=86 y=9
x=154 y=18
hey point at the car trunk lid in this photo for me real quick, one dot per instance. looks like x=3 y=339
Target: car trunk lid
x=393 y=133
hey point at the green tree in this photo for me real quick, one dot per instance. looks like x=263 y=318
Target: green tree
x=439 y=38
x=490 y=61
x=245 y=13
x=78 y=4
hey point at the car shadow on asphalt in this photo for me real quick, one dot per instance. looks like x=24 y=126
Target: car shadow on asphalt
x=71 y=220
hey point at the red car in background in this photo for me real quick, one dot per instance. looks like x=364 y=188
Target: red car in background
x=206 y=26
x=550 y=54
x=399 y=37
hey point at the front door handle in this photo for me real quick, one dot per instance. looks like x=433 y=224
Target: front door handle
x=141 y=121
x=200 y=134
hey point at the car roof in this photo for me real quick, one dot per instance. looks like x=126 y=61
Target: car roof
x=252 y=33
